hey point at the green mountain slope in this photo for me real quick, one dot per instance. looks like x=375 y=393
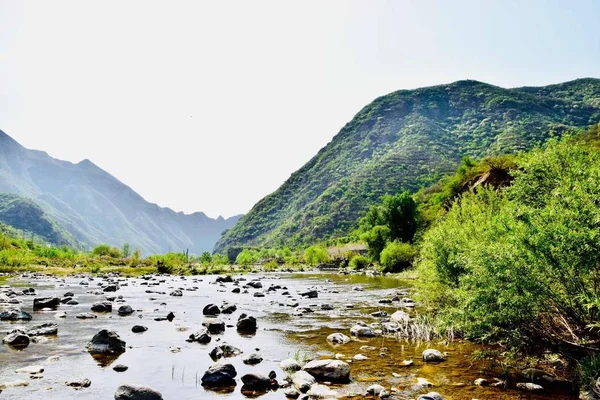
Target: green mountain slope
x=405 y=140
x=30 y=220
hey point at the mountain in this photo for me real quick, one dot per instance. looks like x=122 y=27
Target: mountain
x=406 y=140
x=31 y=221
x=95 y=207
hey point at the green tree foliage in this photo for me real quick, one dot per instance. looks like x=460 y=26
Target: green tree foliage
x=315 y=255
x=522 y=265
x=397 y=256
x=206 y=258
x=247 y=257
x=126 y=250
x=358 y=262
x=107 y=251
x=376 y=238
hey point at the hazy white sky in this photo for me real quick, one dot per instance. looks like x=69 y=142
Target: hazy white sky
x=209 y=106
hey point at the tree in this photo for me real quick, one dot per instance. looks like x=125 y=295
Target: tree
x=315 y=255
x=206 y=258
x=397 y=256
x=125 y=250
x=376 y=239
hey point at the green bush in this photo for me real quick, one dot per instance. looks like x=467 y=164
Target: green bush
x=358 y=262
x=397 y=256
x=105 y=250
x=247 y=257
x=315 y=255
x=376 y=238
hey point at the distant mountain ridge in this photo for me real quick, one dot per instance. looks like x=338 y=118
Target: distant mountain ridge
x=403 y=141
x=95 y=207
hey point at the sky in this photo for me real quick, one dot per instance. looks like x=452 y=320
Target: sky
x=211 y=105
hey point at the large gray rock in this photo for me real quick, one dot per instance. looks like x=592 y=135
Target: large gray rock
x=338 y=338
x=256 y=382
x=289 y=365
x=219 y=375
x=202 y=336
x=125 y=310
x=106 y=342
x=431 y=396
x=433 y=355
x=47 y=329
x=16 y=338
x=247 y=324
x=328 y=370
x=214 y=325
x=302 y=381
x=211 y=309
x=103 y=306
x=361 y=331
x=45 y=302
x=15 y=315
x=224 y=350
x=137 y=392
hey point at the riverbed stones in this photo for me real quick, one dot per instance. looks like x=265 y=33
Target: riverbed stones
x=102 y=306
x=86 y=315
x=176 y=293
x=255 y=284
x=211 y=309
x=139 y=329
x=31 y=370
x=228 y=308
x=15 y=315
x=219 y=375
x=431 y=396
x=433 y=355
x=202 y=336
x=224 y=350
x=302 y=381
x=106 y=342
x=291 y=393
x=120 y=368
x=318 y=391
x=328 y=370
x=137 y=392
x=289 y=365
x=17 y=339
x=360 y=330
x=255 y=381
x=13 y=384
x=214 y=325
x=79 y=383
x=246 y=324
x=125 y=310
x=531 y=387
x=338 y=338
x=400 y=317
x=310 y=294
x=110 y=288
x=45 y=302
x=252 y=359
x=46 y=329
x=376 y=390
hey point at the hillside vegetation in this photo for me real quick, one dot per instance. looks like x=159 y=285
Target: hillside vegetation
x=407 y=140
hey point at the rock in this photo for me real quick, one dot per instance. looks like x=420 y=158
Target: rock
x=219 y=375
x=72 y=303
x=360 y=357
x=289 y=365
x=326 y=307
x=311 y=294
x=400 y=316
x=236 y=290
x=16 y=338
x=170 y=317
x=110 y=288
x=481 y=382
x=532 y=387
x=224 y=350
x=406 y=363
x=202 y=336
x=86 y=316
x=432 y=355
x=15 y=315
x=431 y=396
x=125 y=310
x=247 y=324
x=211 y=309
x=47 y=329
x=228 y=308
x=82 y=383
x=252 y=359
x=255 y=284
x=104 y=306
x=139 y=328
x=46 y=302
x=31 y=370
x=137 y=392
x=376 y=390
x=60 y=314
x=256 y=382
x=258 y=294
x=361 y=331
x=13 y=384
x=120 y=368
x=302 y=381
x=291 y=393
x=69 y=294
x=338 y=338
x=214 y=325
x=379 y=314
x=318 y=391
x=224 y=279
x=328 y=370
x=106 y=342
x=176 y=293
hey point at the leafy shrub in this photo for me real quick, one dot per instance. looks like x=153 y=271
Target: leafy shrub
x=358 y=262
x=376 y=238
x=315 y=255
x=397 y=256
x=106 y=250
x=247 y=257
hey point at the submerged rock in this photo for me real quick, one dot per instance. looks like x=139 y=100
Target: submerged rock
x=81 y=383
x=431 y=396
x=247 y=324
x=224 y=350
x=106 y=342
x=104 y=306
x=15 y=315
x=252 y=359
x=16 y=338
x=328 y=370
x=202 y=336
x=256 y=382
x=433 y=355
x=338 y=338
x=219 y=375
x=139 y=329
x=45 y=302
x=47 y=329
x=137 y=392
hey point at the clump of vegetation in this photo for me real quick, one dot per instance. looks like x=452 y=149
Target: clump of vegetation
x=397 y=256
x=106 y=251
x=315 y=255
x=358 y=262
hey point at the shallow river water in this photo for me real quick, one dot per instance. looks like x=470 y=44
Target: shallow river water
x=280 y=335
